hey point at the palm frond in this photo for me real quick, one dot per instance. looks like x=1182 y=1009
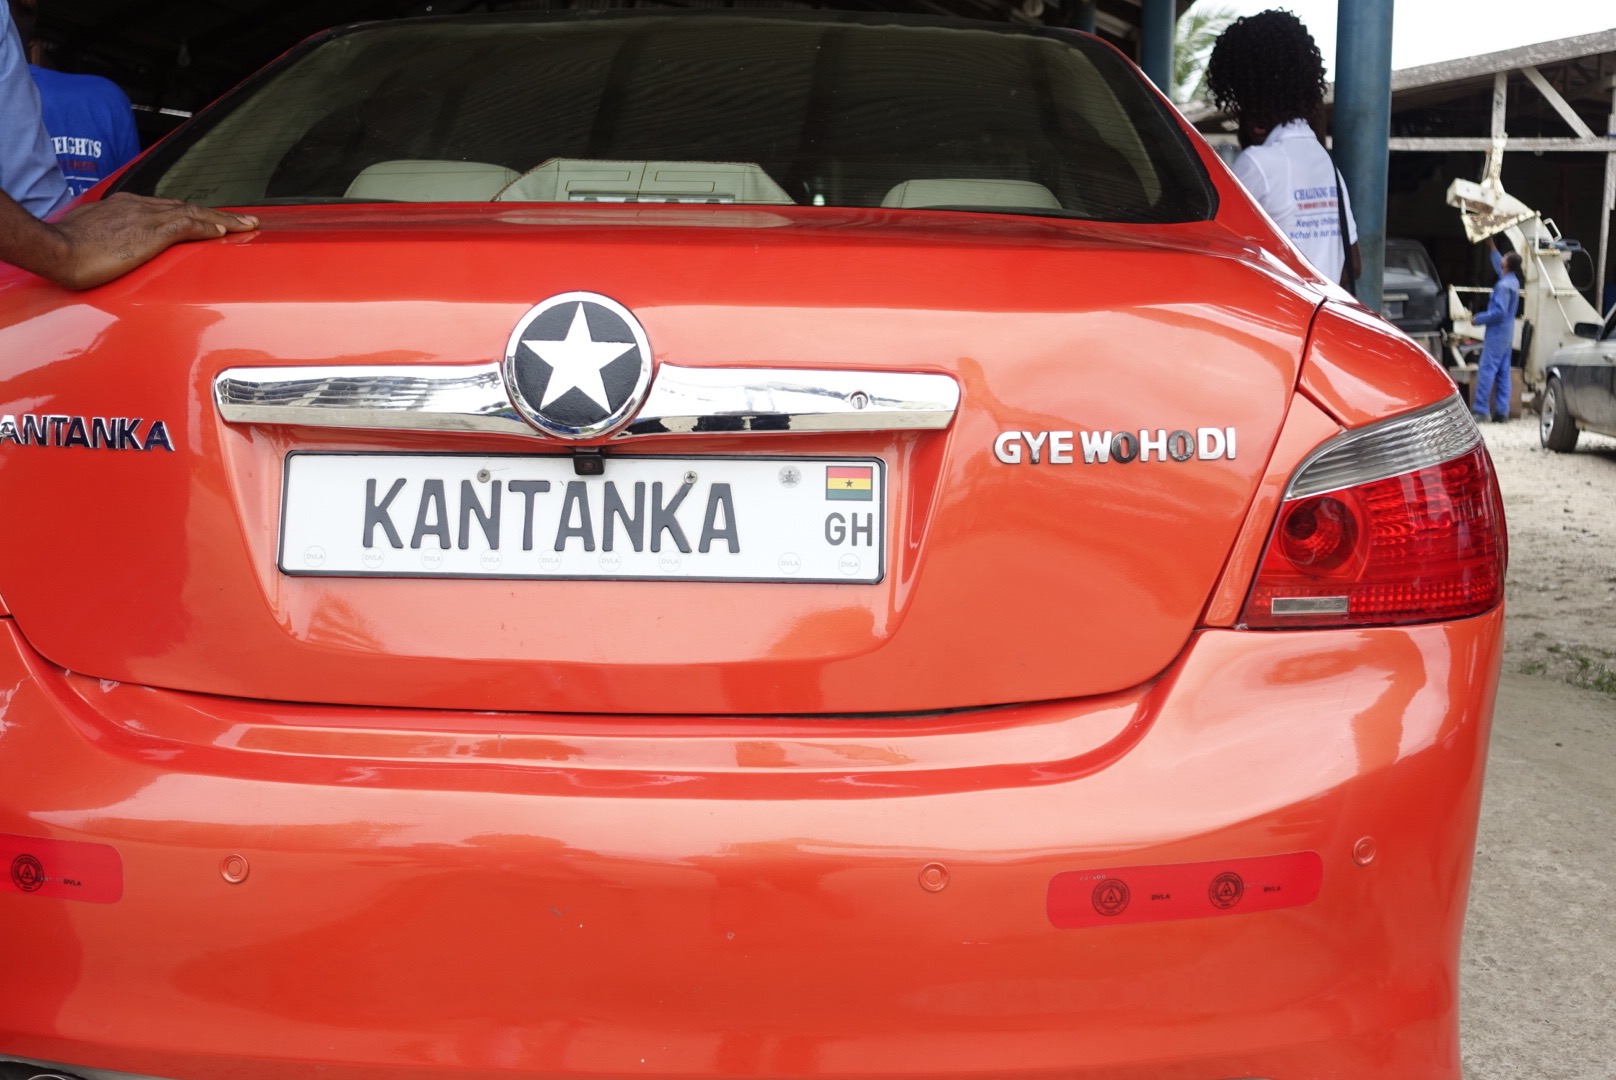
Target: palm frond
x=1196 y=33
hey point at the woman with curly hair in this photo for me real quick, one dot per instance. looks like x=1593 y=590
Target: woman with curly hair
x=1266 y=71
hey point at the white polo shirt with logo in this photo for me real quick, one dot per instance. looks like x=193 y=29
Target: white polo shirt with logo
x=1292 y=177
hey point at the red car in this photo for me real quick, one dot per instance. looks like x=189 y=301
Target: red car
x=730 y=545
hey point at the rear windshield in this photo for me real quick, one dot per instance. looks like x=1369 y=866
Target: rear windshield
x=825 y=111
x=1409 y=257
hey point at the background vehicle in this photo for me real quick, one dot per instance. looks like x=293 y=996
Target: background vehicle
x=727 y=545
x=1551 y=306
x=1581 y=387
x=1413 y=297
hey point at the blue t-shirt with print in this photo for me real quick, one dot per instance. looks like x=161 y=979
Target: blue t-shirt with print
x=91 y=125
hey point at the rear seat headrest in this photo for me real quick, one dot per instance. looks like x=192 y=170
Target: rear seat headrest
x=1019 y=193
x=430 y=181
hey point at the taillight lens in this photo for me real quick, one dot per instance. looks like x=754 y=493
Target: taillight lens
x=1399 y=522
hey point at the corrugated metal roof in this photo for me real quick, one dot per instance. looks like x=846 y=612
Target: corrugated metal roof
x=1470 y=72
x=1470 y=67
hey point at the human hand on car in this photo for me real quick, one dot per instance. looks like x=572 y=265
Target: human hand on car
x=100 y=241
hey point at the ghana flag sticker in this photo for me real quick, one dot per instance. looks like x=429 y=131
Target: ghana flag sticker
x=849 y=482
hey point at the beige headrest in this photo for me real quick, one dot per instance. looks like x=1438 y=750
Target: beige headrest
x=430 y=181
x=1018 y=193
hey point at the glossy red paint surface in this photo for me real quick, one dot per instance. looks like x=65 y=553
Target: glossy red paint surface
x=721 y=898
x=338 y=859
x=1360 y=373
x=1103 y=328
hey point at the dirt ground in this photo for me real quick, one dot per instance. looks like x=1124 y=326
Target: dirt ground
x=1561 y=590
x=1540 y=943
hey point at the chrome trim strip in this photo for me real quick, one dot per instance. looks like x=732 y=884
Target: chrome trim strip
x=699 y=401
x=682 y=400
x=1308 y=605
x=421 y=397
x=1415 y=440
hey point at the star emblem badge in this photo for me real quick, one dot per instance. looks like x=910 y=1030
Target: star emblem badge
x=577 y=365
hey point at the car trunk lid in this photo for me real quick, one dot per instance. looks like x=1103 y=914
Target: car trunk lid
x=1058 y=535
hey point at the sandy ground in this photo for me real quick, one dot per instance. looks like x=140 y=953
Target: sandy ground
x=1561 y=591
x=1539 y=968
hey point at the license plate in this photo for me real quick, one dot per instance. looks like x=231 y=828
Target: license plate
x=644 y=518
x=1392 y=309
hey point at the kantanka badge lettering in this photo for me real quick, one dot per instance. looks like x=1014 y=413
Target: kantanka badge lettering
x=1122 y=447
x=92 y=433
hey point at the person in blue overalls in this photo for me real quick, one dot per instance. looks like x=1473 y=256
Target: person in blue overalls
x=1490 y=392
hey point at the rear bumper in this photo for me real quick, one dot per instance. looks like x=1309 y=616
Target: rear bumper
x=479 y=896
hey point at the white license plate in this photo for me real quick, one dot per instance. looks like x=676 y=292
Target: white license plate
x=511 y=516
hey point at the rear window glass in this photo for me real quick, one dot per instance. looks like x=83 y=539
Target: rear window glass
x=827 y=111
x=1409 y=257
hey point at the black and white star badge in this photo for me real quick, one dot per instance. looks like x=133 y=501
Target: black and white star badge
x=577 y=365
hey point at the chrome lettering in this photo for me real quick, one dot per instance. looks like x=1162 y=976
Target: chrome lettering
x=65 y=431
x=1158 y=444
x=1034 y=445
x=158 y=436
x=1060 y=447
x=1007 y=447
x=129 y=434
x=1096 y=446
x=1103 y=447
x=1180 y=446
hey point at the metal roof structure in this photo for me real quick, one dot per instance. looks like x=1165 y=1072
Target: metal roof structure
x=1457 y=101
x=1548 y=97
x=1579 y=74
x=1454 y=73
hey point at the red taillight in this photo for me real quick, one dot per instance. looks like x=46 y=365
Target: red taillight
x=1418 y=546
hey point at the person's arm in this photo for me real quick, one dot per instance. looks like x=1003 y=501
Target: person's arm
x=95 y=243
x=1499 y=310
x=1354 y=256
x=1495 y=257
x=29 y=172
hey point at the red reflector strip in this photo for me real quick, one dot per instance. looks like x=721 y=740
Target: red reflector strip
x=60 y=869
x=1079 y=899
